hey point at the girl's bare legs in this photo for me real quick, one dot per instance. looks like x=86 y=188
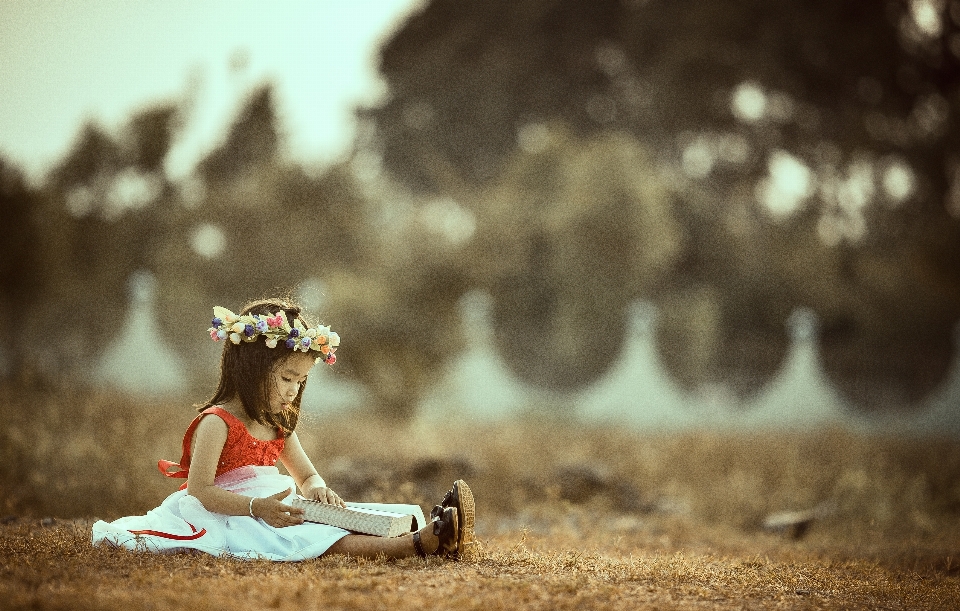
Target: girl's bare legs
x=366 y=546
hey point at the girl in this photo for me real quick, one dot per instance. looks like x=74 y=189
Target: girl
x=235 y=501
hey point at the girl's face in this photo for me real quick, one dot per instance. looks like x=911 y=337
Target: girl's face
x=288 y=377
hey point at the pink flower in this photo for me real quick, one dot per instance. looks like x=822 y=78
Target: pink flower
x=214 y=336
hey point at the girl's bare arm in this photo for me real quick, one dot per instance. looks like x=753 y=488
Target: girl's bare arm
x=305 y=474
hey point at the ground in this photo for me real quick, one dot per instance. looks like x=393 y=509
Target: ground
x=606 y=565
x=570 y=515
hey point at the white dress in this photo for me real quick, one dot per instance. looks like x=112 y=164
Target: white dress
x=181 y=523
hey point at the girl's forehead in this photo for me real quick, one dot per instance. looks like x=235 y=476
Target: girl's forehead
x=296 y=365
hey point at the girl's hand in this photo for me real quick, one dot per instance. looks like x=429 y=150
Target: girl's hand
x=323 y=495
x=271 y=510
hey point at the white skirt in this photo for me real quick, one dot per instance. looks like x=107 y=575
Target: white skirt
x=181 y=523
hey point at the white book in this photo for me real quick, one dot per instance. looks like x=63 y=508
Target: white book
x=356 y=517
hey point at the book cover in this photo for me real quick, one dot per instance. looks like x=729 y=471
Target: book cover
x=364 y=520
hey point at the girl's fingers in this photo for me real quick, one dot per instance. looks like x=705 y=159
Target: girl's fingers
x=294 y=511
x=283 y=518
x=289 y=520
x=282 y=494
x=327 y=495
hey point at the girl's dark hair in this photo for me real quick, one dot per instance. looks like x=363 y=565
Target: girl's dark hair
x=245 y=370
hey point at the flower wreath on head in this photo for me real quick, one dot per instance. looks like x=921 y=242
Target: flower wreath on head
x=276 y=329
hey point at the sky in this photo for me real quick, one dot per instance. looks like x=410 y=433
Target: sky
x=66 y=62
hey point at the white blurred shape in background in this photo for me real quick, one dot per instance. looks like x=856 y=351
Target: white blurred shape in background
x=139 y=360
x=208 y=240
x=787 y=185
x=749 y=102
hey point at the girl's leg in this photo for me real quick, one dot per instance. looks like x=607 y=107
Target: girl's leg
x=367 y=546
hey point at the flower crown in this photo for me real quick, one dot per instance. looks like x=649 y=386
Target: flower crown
x=276 y=328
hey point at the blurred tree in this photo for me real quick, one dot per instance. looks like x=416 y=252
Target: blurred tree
x=19 y=263
x=94 y=154
x=149 y=136
x=400 y=324
x=252 y=141
x=571 y=233
x=810 y=145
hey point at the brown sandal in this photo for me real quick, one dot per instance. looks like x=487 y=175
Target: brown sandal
x=461 y=497
x=447 y=530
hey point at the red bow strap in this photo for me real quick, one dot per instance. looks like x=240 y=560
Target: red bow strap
x=165 y=465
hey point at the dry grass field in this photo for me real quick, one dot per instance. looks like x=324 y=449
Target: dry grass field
x=569 y=516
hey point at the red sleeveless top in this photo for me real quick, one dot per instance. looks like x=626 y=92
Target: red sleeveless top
x=240 y=449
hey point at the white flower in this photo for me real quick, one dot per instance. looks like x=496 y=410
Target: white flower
x=235 y=338
x=272 y=342
x=334 y=339
x=225 y=315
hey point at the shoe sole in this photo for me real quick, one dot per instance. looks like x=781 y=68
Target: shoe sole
x=467 y=541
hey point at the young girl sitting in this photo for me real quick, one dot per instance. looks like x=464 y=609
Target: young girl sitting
x=235 y=501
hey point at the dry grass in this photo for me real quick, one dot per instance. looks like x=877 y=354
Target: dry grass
x=569 y=516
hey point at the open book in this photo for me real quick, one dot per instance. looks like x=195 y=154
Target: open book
x=366 y=518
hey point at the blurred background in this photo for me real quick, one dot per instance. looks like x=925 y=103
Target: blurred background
x=667 y=215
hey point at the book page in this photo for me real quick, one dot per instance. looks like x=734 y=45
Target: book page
x=394 y=508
